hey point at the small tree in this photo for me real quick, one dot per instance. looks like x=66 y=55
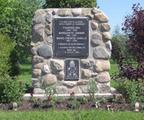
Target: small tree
x=69 y=3
x=134 y=28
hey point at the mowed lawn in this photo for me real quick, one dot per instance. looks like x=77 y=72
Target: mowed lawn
x=71 y=115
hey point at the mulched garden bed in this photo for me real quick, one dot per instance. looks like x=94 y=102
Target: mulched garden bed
x=69 y=104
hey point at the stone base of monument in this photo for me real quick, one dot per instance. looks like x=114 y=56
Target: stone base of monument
x=98 y=95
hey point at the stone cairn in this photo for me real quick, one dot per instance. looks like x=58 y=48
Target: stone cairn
x=49 y=72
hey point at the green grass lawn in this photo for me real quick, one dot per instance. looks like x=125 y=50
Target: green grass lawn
x=26 y=73
x=71 y=115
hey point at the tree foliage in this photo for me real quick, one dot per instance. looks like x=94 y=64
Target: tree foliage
x=134 y=28
x=16 y=20
x=69 y=3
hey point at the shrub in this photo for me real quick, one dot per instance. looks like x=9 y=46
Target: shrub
x=8 y=57
x=69 y=3
x=6 y=47
x=133 y=27
x=11 y=90
x=132 y=91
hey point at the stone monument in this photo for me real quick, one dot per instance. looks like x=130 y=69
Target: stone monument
x=70 y=48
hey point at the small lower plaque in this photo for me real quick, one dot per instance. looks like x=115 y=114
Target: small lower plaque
x=71 y=69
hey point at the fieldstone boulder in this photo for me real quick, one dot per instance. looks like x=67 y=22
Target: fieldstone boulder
x=85 y=73
x=45 y=51
x=85 y=63
x=38 y=33
x=69 y=84
x=95 y=11
x=82 y=82
x=48 y=30
x=37 y=59
x=39 y=17
x=106 y=36
x=103 y=77
x=38 y=91
x=101 y=17
x=36 y=83
x=76 y=11
x=64 y=12
x=60 y=75
x=96 y=39
x=48 y=17
x=36 y=73
x=101 y=53
x=56 y=65
x=49 y=40
x=103 y=87
x=94 y=25
x=61 y=89
x=34 y=51
x=46 y=69
x=87 y=13
x=38 y=66
x=108 y=45
x=84 y=89
x=105 y=27
x=49 y=79
x=102 y=65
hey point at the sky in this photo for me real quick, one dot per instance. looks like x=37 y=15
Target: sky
x=116 y=10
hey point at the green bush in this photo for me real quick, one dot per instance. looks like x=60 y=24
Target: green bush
x=6 y=47
x=132 y=91
x=8 y=57
x=69 y=3
x=11 y=90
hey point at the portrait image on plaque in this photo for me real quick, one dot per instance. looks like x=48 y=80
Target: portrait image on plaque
x=71 y=69
x=71 y=37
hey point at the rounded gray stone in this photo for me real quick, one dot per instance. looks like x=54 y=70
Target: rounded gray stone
x=106 y=36
x=56 y=66
x=36 y=73
x=105 y=27
x=49 y=79
x=103 y=87
x=69 y=84
x=60 y=75
x=36 y=84
x=61 y=90
x=94 y=25
x=39 y=17
x=64 y=12
x=85 y=73
x=48 y=17
x=103 y=77
x=38 y=91
x=46 y=69
x=34 y=51
x=84 y=88
x=76 y=11
x=85 y=63
x=108 y=45
x=37 y=59
x=101 y=17
x=45 y=51
x=96 y=39
x=38 y=33
x=101 y=53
